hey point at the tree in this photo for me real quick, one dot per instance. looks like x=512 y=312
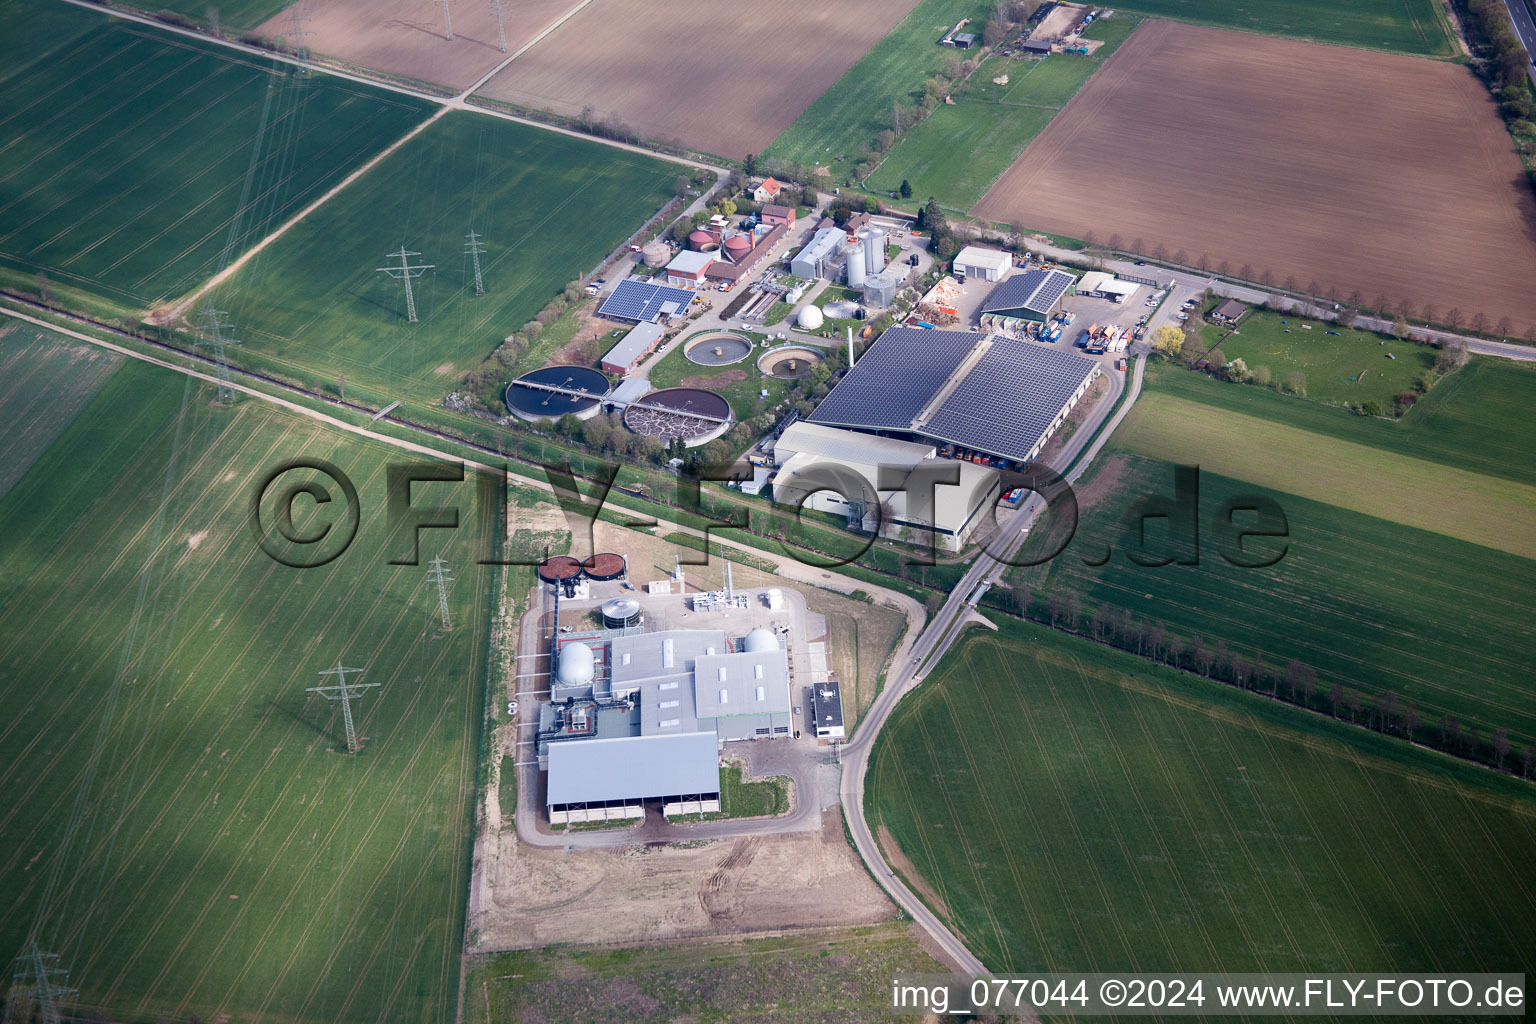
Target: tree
x=1296 y=382
x=992 y=33
x=1237 y=371
x=1453 y=317
x=1335 y=698
x=906 y=189
x=1168 y=340
x=1500 y=747
x=1346 y=317
x=44 y=290
x=341 y=387
x=680 y=186
x=1453 y=355
x=1261 y=375
x=1400 y=327
x=1023 y=597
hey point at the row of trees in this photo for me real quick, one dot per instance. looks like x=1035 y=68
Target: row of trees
x=1296 y=682
x=931 y=218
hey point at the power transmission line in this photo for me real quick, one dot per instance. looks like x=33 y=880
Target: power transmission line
x=295 y=21
x=501 y=31
x=211 y=328
x=473 y=247
x=447 y=18
x=438 y=576
x=37 y=980
x=344 y=692
x=406 y=271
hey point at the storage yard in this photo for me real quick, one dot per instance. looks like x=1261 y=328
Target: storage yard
x=723 y=79
x=1410 y=175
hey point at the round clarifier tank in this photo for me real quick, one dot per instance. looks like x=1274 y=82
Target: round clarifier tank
x=559 y=567
x=605 y=565
x=691 y=415
x=554 y=391
x=788 y=362
x=720 y=349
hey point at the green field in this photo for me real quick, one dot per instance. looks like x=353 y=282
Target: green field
x=1407 y=26
x=1350 y=366
x=180 y=817
x=136 y=163
x=547 y=208
x=44 y=383
x=961 y=149
x=823 y=976
x=1071 y=808
x=741 y=383
x=1367 y=603
x=834 y=130
x=233 y=15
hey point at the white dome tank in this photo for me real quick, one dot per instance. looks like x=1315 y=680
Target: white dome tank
x=576 y=665
x=810 y=318
x=759 y=640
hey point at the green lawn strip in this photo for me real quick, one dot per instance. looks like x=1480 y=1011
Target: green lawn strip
x=1070 y=807
x=1405 y=26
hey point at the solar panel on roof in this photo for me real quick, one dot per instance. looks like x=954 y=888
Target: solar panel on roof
x=644 y=301
x=891 y=383
x=1008 y=400
x=1049 y=291
x=1037 y=290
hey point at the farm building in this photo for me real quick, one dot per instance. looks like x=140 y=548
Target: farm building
x=1100 y=285
x=1033 y=295
x=768 y=191
x=687 y=268
x=639 y=301
x=637 y=716
x=827 y=709
x=1229 y=312
x=898 y=488
x=974 y=261
x=813 y=260
x=965 y=40
x=627 y=353
x=1035 y=46
x=775 y=214
x=999 y=397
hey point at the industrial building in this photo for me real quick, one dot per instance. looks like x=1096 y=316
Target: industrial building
x=1034 y=295
x=978 y=263
x=636 y=301
x=1099 y=285
x=743 y=253
x=900 y=488
x=827 y=710
x=687 y=268
x=640 y=342
x=813 y=260
x=992 y=395
x=774 y=214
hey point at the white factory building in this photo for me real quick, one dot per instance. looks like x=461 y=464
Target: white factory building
x=976 y=262
x=1097 y=284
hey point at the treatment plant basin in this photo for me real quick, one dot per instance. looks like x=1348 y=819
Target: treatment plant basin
x=690 y=415
x=718 y=349
x=553 y=391
x=788 y=362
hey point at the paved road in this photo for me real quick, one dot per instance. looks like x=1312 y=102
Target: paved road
x=1525 y=28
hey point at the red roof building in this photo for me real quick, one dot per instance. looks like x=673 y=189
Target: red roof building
x=775 y=214
x=768 y=191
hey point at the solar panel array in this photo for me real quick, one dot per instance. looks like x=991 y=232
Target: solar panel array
x=1006 y=402
x=642 y=300
x=1035 y=290
x=891 y=383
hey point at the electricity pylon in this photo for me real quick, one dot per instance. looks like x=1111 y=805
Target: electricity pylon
x=37 y=979
x=473 y=247
x=344 y=692
x=211 y=330
x=294 y=22
x=501 y=31
x=438 y=576
x=406 y=271
x=447 y=18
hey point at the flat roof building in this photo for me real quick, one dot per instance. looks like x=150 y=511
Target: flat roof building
x=827 y=709
x=985 y=264
x=1098 y=284
x=629 y=350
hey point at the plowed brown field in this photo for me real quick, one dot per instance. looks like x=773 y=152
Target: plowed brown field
x=408 y=37
x=722 y=76
x=1364 y=172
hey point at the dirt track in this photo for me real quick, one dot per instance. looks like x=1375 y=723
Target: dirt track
x=724 y=78
x=1366 y=173
x=406 y=37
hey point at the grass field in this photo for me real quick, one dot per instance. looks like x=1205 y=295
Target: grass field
x=740 y=383
x=1368 y=603
x=1460 y=503
x=1408 y=26
x=175 y=804
x=136 y=163
x=1067 y=807
x=834 y=129
x=1350 y=366
x=819 y=976
x=751 y=799
x=547 y=208
x=44 y=383
x=233 y=15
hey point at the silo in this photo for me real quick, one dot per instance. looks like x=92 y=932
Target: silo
x=856 y=262
x=874 y=250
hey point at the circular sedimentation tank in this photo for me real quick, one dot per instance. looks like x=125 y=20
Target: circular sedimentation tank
x=559 y=567
x=788 y=362
x=605 y=565
x=581 y=393
x=718 y=349
x=690 y=415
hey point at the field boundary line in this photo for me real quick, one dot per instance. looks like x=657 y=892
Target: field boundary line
x=530 y=44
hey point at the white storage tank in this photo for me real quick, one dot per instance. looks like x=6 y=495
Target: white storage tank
x=874 y=250
x=775 y=599
x=621 y=612
x=759 y=640
x=810 y=318
x=577 y=665
x=856 y=265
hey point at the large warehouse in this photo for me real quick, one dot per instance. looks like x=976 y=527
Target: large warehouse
x=1034 y=295
x=994 y=395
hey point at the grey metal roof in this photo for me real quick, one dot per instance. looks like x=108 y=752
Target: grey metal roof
x=895 y=379
x=634 y=344
x=752 y=684
x=1033 y=290
x=804 y=437
x=666 y=655
x=633 y=768
x=1008 y=400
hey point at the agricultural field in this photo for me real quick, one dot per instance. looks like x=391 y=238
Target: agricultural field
x=1366 y=602
x=44 y=383
x=1342 y=365
x=846 y=117
x=547 y=208
x=137 y=163
x=229 y=16
x=1068 y=807
x=1411 y=175
x=408 y=38
x=821 y=976
x=722 y=79
x=184 y=826
x=1405 y=26
x=960 y=150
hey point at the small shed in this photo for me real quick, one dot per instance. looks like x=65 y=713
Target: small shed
x=1229 y=312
